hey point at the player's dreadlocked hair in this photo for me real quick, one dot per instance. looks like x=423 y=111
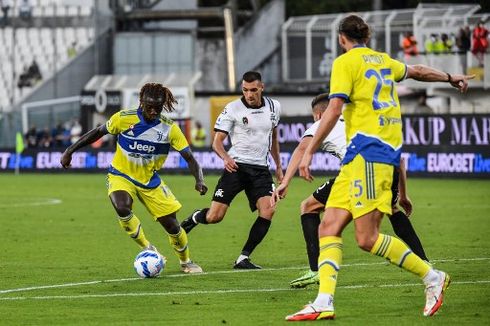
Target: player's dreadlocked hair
x=157 y=93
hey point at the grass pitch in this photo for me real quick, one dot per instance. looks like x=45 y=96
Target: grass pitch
x=65 y=260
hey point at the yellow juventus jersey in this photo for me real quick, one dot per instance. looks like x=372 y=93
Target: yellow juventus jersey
x=142 y=147
x=365 y=79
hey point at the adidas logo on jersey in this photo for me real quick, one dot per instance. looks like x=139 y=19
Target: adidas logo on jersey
x=143 y=148
x=130 y=133
x=359 y=204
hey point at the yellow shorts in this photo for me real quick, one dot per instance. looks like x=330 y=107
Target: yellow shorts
x=158 y=201
x=362 y=187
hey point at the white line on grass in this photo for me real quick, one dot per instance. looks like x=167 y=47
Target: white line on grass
x=36 y=202
x=232 y=291
x=42 y=287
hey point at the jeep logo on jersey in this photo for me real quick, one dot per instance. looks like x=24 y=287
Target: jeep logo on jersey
x=245 y=120
x=142 y=148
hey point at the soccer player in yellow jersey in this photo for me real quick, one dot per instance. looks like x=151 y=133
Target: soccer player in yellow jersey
x=144 y=139
x=364 y=80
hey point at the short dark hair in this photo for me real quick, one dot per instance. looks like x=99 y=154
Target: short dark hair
x=319 y=98
x=155 y=93
x=355 y=29
x=251 y=76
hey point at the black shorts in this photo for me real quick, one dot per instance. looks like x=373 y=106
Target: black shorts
x=254 y=179
x=321 y=193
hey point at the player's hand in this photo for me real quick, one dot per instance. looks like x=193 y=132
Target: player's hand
x=65 y=160
x=279 y=193
x=279 y=175
x=201 y=188
x=230 y=164
x=304 y=167
x=461 y=82
x=406 y=204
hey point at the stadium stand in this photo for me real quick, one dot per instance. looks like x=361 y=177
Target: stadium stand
x=41 y=39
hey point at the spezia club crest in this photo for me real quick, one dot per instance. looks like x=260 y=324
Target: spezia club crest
x=245 y=120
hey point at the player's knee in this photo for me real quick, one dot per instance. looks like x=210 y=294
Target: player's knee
x=304 y=207
x=122 y=210
x=267 y=213
x=366 y=243
x=213 y=218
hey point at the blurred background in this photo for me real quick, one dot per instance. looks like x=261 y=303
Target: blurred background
x=68 y=65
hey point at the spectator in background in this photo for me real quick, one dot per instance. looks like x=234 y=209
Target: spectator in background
x=34 y=72
x=463 y=42
x=31 y=137
x=480 y=41
x=75 y=131
x=446 y=43
x=58 y=136
x=5 y=4
x=25 y=9
x=430 y=44
x=409 y=45
x=44 y=138
x=198 y=135
x=72 y=50
x=24 y=79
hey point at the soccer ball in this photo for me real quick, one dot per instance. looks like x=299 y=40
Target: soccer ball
x=148 y=263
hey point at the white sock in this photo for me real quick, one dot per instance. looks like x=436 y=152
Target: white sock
x=431 y=277
x=324 y=300
x=240 y=258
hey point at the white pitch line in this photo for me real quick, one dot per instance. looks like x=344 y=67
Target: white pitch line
x=42 y=287
x=230 y=291
x=38 y=202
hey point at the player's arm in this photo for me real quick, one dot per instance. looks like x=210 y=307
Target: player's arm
x=195 y=169
x=281 y=191
x=219 y=148
x=403 y=200
x=327 y=123
x=429 y=74
x=276 y=156
x=86 y=139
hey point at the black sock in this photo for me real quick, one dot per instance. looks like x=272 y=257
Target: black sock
x=200 y=217
x=310 y=223
x=404 y=230
x=257 y=233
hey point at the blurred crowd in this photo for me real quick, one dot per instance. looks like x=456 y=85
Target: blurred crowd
x=61 y=136
x=466 y=40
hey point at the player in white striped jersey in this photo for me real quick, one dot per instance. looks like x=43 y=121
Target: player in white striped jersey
x=251 y=123
x=311 y=207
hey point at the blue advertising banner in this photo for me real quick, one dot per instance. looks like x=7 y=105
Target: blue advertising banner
x=442 y=145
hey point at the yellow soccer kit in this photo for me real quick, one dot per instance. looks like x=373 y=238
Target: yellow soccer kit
x=141 y=151
x=365 y=79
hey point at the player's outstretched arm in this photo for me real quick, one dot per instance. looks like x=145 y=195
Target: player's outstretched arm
x=327 y=123
x=429 y=74
x=219 y=148
x=85 y=139
x=281 y=191
x=196 y=171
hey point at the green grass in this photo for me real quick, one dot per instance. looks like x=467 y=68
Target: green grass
x=80 y=241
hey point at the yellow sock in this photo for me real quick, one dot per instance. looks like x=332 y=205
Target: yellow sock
x=329 y=263
x=399 y=254
x=131 y=224
x=179 y=243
